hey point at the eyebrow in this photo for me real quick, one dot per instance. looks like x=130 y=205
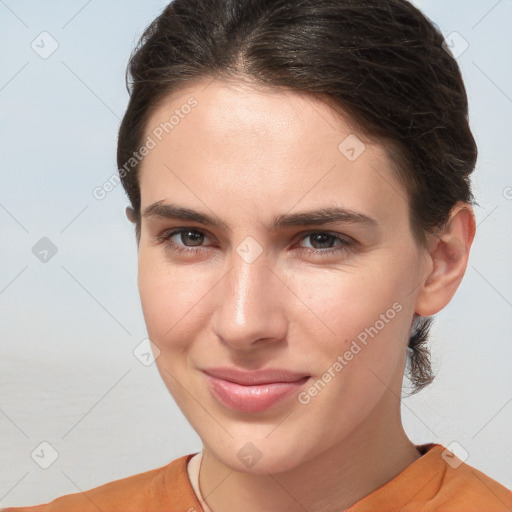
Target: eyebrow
x=327 y=215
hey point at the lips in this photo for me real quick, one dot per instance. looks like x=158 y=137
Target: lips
x=253 y=391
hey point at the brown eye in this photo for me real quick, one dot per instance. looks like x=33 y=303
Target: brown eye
x=323 y=242
x=182 y=239
x=196 y=237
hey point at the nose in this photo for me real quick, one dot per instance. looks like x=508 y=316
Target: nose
x=250 y=310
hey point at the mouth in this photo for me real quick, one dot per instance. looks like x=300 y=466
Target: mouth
x=253 y=391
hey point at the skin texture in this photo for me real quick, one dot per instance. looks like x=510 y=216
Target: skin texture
x=249 y=155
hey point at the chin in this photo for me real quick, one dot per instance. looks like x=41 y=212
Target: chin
x=258 y=457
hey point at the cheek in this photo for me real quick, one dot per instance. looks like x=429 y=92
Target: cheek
x=362 y=317
x=358 y=358
x=350 y=301
x=171 y=301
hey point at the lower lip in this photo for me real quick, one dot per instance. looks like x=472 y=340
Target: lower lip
x=252 y=398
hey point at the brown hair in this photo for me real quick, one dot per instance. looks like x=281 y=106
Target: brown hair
x=382 y=62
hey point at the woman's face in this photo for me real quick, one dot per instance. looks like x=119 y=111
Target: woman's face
x=264 y=286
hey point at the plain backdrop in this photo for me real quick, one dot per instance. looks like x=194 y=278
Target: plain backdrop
x=69 y=325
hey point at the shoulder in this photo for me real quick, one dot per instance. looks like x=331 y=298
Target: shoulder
x=438 y=482
x=446 y=483
x=467 y=488
x=130 y=494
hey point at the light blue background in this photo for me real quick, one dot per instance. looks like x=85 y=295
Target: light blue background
x=68 y=327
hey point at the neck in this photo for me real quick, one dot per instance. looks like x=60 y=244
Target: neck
x=373 y=454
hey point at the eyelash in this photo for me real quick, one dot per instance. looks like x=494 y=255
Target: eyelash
x=345 y=245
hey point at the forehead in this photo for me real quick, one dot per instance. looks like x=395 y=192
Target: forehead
x=266 y=115
x=282 y=145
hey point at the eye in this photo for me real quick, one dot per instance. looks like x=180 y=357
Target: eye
x=189 y=240
x=325 y=240
x=182 y=235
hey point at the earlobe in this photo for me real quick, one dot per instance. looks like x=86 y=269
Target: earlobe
x=448 y=257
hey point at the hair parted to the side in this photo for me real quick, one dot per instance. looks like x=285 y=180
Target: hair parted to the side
x=381 y=63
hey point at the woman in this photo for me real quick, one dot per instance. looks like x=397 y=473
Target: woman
x=298 y=173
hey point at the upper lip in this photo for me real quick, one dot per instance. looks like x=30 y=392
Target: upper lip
x=255 y=377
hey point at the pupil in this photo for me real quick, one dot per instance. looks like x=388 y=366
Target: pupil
x=193 y=235
x=319 y=237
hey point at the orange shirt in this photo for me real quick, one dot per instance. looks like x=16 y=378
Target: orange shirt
x=430 y=484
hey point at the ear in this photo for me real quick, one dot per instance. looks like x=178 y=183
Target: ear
x=448 y=254
x=132 y=217
x=130 y=213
